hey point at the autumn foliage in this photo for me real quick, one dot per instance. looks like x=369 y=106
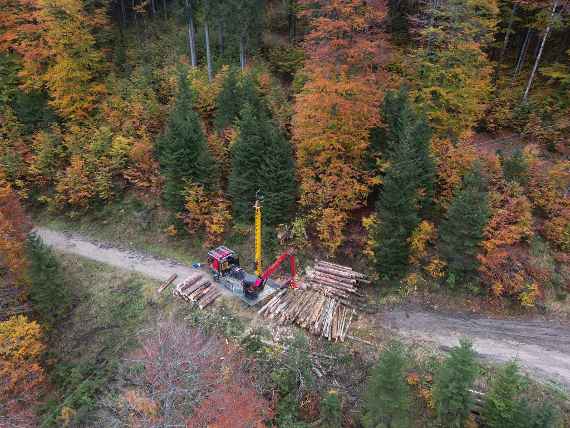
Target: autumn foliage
x=190 y=379
x=335 y=110
x=21 y=375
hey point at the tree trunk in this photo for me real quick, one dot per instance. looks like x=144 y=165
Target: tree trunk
x=539 y=55
x=522 y=54
x=191 y=35
x=164 y=7
x=242 y=58
x=134 y=11
x=208 y=53
x=152 y=8
x=123 y=14
x=508 y=33
x=292 y=21
x=221 y=36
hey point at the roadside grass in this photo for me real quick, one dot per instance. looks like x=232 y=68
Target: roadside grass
x=108 y=308
x=142 y=226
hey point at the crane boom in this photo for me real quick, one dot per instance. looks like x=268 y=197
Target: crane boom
x=258 y=261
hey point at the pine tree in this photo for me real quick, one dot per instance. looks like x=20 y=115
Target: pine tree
x=183 y=151
x=331 y=410
x=388 y=396
x=408 y=184
x=503 y=407
x=462 y=230
x=451 y=391
x=262 y=159
x=229 y=101
x=49 y=296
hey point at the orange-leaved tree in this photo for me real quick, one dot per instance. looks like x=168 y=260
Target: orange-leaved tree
x=55 y=40
x=21 y=374
x=14 y=228
x=336 y=108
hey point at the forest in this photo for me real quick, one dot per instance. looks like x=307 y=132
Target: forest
x=426 y=142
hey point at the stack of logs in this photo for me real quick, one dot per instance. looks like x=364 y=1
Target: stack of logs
x=197 y=288
x=325 y=304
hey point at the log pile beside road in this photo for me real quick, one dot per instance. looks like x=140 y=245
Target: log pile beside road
x=325 y=304
x=197 y=288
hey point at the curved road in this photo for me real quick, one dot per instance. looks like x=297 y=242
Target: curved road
x=542 y=347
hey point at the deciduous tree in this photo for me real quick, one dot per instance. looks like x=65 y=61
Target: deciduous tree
x=336 y=108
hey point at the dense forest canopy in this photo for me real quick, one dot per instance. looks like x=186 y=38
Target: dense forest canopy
x=430 y=138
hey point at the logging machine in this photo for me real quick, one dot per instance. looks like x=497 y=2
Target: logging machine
x=225 y=266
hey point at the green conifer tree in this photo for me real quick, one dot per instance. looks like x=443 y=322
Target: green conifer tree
x=331 y=410
x=408 y=184
x=229 y=101
x=503 y=407
x=387 y=402
x=183 y=152
x=48 y=292
x=451 y=391
x=462 y=230
x=262 y=159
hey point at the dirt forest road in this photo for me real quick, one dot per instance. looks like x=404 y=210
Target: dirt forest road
x=541 y=347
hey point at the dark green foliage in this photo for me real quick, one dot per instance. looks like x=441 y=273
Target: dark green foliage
x=262 y=159
x=451 y=391
x=502 y=406
x=515 y=168
x=183 y=151
x=387 y=402
x=408 y=184
x=331 y=410
x=544 y=415
x=229 y=101
x=507 y=407
x=462 y=230
x=49 y=294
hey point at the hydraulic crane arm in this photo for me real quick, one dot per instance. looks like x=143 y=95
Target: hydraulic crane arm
x=276 y=264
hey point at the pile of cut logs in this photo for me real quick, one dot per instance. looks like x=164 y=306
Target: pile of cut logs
x=197 y=288
x=325 y=304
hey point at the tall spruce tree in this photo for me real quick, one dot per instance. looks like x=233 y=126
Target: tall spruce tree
x=408 y=184
x=183 y=152
x=229 y=101
x=387 y=402
x=453 y=384
x=262 y=159
x=462 y=230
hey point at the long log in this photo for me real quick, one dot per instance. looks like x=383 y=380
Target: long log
x=197 y=285
x=167 y=283
x=340 y=268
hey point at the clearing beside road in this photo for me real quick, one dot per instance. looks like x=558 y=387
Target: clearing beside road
x=542 y=347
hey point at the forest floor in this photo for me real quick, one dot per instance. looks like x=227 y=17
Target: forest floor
x=541 y=346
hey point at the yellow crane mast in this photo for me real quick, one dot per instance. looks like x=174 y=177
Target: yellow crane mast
x=257 y=206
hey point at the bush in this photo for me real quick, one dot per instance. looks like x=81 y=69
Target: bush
x=49 y=294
